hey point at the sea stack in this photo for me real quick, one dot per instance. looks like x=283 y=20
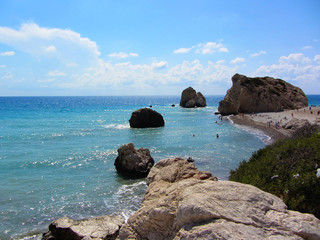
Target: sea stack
x=191 y=99
x=261 y=94
x=146 y=118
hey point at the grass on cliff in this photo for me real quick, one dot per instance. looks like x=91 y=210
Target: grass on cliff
x=288 y=170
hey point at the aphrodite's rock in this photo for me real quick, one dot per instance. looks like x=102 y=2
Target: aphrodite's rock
x=190 y=98
x=146 y=118
x=98 y=228
x=261 y=94
x=133 y=163
x=181 y=204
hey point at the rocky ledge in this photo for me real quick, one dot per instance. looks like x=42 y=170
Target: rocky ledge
x=184 y=203
x=261 y=94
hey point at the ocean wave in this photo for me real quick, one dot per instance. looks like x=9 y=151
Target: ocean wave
x=256 y=132
x=117 y=126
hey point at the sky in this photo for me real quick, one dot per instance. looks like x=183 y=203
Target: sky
x=147 y=47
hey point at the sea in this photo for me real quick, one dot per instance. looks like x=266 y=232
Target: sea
x=57 y=154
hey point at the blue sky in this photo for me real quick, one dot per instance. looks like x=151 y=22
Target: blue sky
x=75 y=47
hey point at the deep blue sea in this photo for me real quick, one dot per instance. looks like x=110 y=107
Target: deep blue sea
x=57 y=154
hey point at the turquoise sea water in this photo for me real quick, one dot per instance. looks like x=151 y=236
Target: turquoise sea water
x=57 y=154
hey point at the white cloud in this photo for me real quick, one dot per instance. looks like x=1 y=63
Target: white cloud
x=316 y=58
x=182 y=50
x=55 y=73
x=204 y=48
x=306 y=47
x=3 y=66
x=51 y=49
x=258 y=54
x=295 y=67
x=123 y=55
x=8 y=75
x=237 y=60
x=159 y=65
x=210 y=48
x=40 y=41
x=11 y=53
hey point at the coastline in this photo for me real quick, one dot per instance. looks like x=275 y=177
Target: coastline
x=261 y=121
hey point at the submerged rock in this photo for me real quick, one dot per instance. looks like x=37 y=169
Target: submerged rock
x=182 y=202
x=98 y=228
x=133 y=163
x=261 y=94
x=190 y=98
x=146 y=118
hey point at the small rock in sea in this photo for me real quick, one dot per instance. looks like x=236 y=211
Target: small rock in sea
x=146 y=118
x=190 y=159
x=173 y=105
x=133 y=163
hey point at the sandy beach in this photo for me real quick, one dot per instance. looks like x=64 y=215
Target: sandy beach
x=272 y=123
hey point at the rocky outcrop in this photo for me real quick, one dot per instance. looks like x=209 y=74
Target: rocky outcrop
x=146 y=118
x=190 y=98
x=184 y=203
x=133 y=163
x=261 y=94
x=98 y=228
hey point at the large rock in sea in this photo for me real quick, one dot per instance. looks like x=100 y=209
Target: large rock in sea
x=184 y=203
x=98 y=228
x=133 y=163
x=190 y=98
x=261 y=94
x=146 y=118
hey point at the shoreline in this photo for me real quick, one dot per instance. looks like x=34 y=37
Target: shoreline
x=266 y=121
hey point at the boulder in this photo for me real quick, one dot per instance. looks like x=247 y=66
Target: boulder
x=98 y=228
x=182 y=202
x=190 y=98
x=133 y=163
x=261 y=94
x=146 y=118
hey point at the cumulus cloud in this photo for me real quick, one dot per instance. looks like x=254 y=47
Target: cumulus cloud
x=258 y=54
x=237 y=60
x=10 y=53
x=64 y=44
x=316 y=58
x=123 y=55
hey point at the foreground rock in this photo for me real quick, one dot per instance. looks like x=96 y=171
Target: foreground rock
x=190 y=98
x=104 y=227
x=133 y=163
x=261 y=94
x=146 y=118
x=184 y=203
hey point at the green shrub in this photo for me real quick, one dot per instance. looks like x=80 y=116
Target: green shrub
x=288 y=170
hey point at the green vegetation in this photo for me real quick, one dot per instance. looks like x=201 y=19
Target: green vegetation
x=288 y=170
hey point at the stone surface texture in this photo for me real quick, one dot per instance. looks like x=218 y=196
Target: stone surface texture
x=146 y=118
x=191 y=99
x=133 y=163
x=98 y=228
x=261 y=94
x=184 y=203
